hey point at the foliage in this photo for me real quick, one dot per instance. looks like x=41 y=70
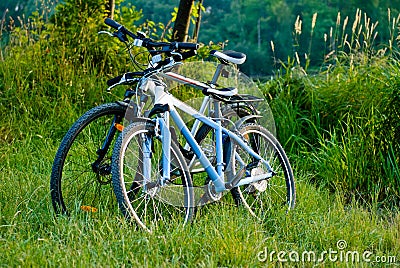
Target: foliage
x=251 y=26
x=31 y=236
x=76 y=24
x=59 y=66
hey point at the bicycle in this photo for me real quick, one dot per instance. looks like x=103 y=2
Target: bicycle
x=151 y=174
x=82 y=164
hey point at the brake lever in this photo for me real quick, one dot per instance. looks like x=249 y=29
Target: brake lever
x=105 y=32
x=118 y=34
x=141 y=34
x=176 y=54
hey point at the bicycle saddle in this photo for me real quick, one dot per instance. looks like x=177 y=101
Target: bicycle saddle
x=221 y=92
x=229 y=56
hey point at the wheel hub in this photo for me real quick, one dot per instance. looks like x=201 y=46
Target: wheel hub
x=103 y=172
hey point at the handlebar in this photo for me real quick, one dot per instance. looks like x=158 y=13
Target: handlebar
x=184 y=45
x=175 y=52
x=126 y=77
x=129 y=77
x=147 y=42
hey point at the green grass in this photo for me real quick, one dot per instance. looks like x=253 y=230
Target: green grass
x=219 y=236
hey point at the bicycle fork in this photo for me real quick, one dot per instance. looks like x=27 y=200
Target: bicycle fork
x=97 y=166
x=163 y=132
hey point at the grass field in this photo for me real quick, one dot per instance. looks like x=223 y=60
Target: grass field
x=324 y=221
x=220 y=236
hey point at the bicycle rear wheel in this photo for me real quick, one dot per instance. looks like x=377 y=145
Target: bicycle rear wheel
x=277 y=192
x=137 y=176
x=81 y=173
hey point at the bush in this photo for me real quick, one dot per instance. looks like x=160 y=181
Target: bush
x=58 y=68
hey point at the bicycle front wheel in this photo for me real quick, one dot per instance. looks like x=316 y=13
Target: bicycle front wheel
x=81 y=173
x=276 y=192
x=137 y=171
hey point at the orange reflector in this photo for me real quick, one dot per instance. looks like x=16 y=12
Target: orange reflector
x=119 y=127
x=88 y=209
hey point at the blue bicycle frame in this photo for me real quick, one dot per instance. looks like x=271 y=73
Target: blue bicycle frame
x=215 y=174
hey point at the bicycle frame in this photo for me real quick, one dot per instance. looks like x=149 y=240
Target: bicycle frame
x=169 y=104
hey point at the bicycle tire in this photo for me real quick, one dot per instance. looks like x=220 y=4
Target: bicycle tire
x=263 y=196
x=74 y=185
x=150 y=205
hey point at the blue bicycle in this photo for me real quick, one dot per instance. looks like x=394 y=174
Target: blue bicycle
x=152 y=172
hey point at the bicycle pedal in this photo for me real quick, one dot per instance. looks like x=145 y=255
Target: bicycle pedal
x=236 y=179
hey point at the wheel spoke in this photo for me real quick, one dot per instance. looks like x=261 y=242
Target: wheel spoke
x=264 y=195
x=150 y=202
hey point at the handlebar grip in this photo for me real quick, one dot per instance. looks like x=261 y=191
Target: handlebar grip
x=126 y=77
x=189 y=54
x=114 y=80
x=112 y=23
x=185 y=45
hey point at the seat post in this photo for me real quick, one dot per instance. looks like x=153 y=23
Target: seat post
x=217 y=74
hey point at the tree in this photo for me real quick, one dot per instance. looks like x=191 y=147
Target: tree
x=110 y=8
x=182 y=22
x=198 y=21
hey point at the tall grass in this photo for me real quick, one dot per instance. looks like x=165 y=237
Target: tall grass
x=344 y=119
x=339 y=127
